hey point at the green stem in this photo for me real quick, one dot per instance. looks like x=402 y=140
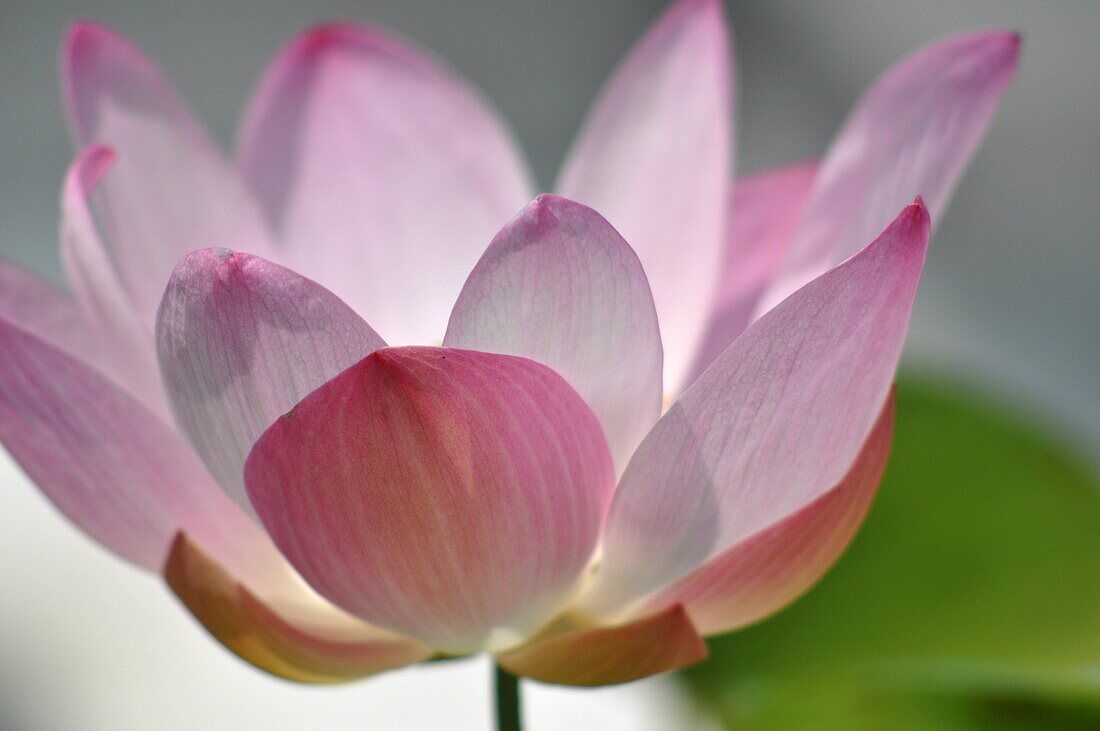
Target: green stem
x=509 y=715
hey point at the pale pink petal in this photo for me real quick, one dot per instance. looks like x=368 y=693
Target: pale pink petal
x=382 y=172
x=171 y=190
x=913 y=133
x=113 y=468
x=770 y=427
x=654 y=157
x=38 y=306
x=126 y=349
x=257 y=633
x=241 y=340
x=768 y=570
x=560 y=286
x=450 y=495
x=608 y=655
x=764 y=211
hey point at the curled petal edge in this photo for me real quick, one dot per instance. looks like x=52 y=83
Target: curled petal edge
x=258 y=635
x=598 y=656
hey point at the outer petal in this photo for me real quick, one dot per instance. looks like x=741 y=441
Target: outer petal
x=256 y=633
x=241 y=340
x=171 y=191
x=770 y=427
x=37 y=306
x=113 y=468
x=608 y=655
x=764 y=211
x=560 y=286
x=126 y=347
x=768 y=570
x=913 y=133
x=382 y=172
x=450 y=495
x=654 y=157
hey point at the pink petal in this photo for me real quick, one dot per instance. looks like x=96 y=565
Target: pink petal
x=560 y=286
x=913 y=133
x=450 y=495
x=764 y=211
x=126 y=342
x=241 y=340
x=654 y=157
x=770 y=427
x=171 y=190
x=608 y=655
x=39 y=307
x=258 y=634
x=768 y=570
x=382 y=171
x=113 y=468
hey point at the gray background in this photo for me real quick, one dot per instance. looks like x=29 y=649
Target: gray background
x=1010 y=299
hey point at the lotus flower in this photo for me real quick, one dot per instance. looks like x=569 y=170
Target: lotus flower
x=331 y=504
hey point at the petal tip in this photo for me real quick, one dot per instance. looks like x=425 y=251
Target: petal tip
x=88 y=169
x=78 y=43
x=81 y=33
x=213 y=255
x=224 y=254
x=540 y=216
x=994 y=52
x=1002 y=49
x=394 y=363
x=216 y=263
x=917 y=221
x=1007 y=41
x=918 y=212
x=176 y=560
x=556 y=205
x=324 y=36
x=546 y=199
x=309 y=47
x=550 y=204
x=85 y=37
x=94 y=58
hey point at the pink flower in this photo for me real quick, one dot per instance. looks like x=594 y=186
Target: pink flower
x=516 y=490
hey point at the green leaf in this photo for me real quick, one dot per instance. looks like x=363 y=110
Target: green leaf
x=971 y=594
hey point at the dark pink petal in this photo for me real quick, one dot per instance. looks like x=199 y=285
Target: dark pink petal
x=654 y=157
x=768 y=570
x=450 y=495
x=764 y=211
x=113 y=468
x=913 y=133
x=595 y=656
x=382 y=172
x=560 y=286
x=39 y=307
x=241 y=340
x=171 y=190
x=770 y=427
x=298 y=649
x=126 y=348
